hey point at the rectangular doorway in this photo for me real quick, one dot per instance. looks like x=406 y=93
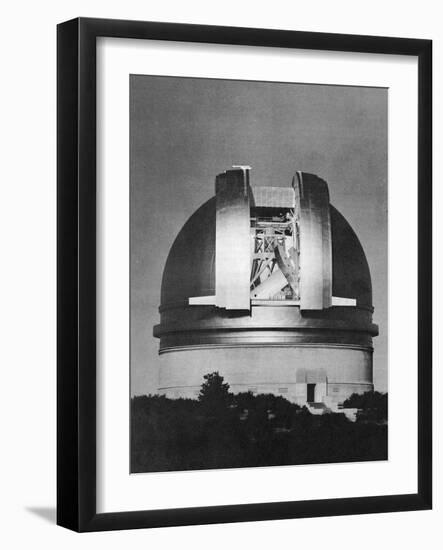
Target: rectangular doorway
x=310 y=398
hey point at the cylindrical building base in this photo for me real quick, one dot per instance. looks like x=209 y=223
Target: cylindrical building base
x=304 y=374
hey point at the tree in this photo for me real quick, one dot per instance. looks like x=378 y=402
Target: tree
x=372 y=405
x=214 y=395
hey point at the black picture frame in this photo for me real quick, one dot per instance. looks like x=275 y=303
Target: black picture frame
x=76 y=265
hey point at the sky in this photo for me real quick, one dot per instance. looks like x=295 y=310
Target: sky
x=185 y=131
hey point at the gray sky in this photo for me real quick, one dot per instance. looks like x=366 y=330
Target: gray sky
x=184 y=131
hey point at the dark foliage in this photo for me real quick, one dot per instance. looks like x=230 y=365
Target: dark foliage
x=214 y=395
x=220 y=430
x=372 y=405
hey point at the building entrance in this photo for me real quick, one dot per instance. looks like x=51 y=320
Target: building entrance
x=310 y=398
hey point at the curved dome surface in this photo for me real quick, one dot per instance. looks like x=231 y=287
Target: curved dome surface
x=190 y=266
x=350 y=270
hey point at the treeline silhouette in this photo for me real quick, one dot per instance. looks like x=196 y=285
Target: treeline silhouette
x=223 y=430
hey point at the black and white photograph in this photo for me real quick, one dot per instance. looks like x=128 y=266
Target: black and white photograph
x=258 y=273
x=221 y=275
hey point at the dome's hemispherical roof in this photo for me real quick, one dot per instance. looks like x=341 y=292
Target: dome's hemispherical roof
x=190 y=267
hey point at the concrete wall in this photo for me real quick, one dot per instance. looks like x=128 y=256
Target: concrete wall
x=336 y=372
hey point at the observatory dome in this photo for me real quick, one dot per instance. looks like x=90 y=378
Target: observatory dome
x=256 y=269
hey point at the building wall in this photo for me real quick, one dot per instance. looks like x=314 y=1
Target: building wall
x=338 y=372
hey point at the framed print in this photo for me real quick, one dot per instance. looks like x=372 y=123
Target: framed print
x=244 y=274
